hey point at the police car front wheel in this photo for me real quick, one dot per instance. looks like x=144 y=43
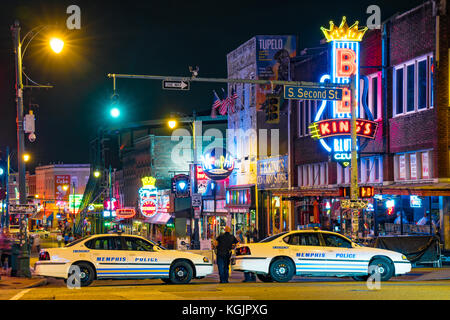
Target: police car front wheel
x=180 y=272
x=282 y=270
x=383 y=267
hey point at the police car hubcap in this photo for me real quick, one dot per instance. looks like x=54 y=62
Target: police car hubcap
x=282 y=270
x=380 y=269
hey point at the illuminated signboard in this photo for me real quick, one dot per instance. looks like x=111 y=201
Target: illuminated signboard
x=125 y=213
x=415 y=202
x=75 y=201
x=217 y=164
x=148 y=197
x=334 y=134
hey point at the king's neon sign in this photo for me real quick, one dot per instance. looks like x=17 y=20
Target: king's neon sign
x=334 y=134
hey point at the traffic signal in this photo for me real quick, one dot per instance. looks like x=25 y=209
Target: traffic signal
x=272 y=109
x=114 y=110
x=364 y=192
x=181 y=185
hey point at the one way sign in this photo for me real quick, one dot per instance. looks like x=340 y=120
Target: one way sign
x=176 y=85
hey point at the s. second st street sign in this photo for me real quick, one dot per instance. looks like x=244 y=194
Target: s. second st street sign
x=312 y=93
x=175 y=85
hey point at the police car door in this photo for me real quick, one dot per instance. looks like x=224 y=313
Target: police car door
x=306 y=251
x=107 y=256
x=145 y=261
x=341 y=257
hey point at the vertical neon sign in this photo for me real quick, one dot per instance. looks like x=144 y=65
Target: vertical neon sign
x=345 y=63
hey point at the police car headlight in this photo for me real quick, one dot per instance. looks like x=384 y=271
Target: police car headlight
x=205 y=259
x=404 y=257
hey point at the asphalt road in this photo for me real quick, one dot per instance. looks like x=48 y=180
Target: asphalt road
x=209 y=289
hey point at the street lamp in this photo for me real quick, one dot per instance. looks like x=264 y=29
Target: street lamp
x=57 y=45
x=24 y=258
x=96 y=174
x=26 y=157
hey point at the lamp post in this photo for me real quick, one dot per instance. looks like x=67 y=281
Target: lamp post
x=24 y=258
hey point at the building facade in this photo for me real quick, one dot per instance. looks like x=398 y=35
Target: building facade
x=404 y=89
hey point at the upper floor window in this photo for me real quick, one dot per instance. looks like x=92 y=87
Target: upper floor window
x=413 y=86
x=307 y=110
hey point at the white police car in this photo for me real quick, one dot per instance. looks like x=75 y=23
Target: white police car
x=120 y=256
x=315 y=253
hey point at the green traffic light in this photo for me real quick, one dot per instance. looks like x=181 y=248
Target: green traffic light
x=114 y=112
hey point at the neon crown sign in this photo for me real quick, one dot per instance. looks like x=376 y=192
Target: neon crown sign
x=334 y=133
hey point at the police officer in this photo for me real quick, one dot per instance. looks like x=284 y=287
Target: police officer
x=224 y=243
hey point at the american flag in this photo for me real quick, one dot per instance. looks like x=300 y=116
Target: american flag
x=225 y=103
x=234 y=97
x=217 y=103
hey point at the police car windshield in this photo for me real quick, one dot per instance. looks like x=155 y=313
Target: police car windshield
x=272 y=237
x=76 y=241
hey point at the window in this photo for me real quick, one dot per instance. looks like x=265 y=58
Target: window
x=422 y=84
x=399 y=91
x=413 y=165
x=104 y=243
x=413 y=85
x=368 y=170
x=376 y=164
x=313 y=174
x=410 y=88
x=332 y=240
x=303 y=239
x=300 y=118
x=136 y=244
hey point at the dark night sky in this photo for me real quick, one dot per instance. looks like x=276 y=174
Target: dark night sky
x=141 y=37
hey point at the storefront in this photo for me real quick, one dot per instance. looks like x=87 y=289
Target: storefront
x=274 y=213
x=240 y=204
x=214 y=219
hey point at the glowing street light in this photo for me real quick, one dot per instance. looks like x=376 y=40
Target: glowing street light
x=172 y=124
x=96 y=173
x=26 y=157
x=65 y=187
x=56 y=44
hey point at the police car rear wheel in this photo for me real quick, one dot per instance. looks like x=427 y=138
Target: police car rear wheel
x=86 y=274
x=282 y=270
x=180 y=273
x=264 y=278
x=384 y=268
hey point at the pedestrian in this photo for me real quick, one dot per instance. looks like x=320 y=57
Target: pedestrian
x=37 y=243
x=59 y=239
x=224 y=243
x=71 y=238
x=255 y=235
x=240 y=236
x=66 y=238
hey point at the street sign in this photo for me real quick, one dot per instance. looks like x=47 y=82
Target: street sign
x=196 y=200
x=175 y=85
x=354 y=204
x=311 y=93
x=22 y=208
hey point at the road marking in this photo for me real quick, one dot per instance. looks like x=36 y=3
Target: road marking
x=20 y=294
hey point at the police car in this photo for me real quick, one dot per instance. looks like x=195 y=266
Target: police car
x=316 y=253
x=120 y=256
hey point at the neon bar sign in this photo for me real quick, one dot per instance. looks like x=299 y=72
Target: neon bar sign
x=148 y=197
x=336 y=127
x=345 y=64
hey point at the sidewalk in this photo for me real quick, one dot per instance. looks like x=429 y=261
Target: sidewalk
x=425 y=274
x=7 y=283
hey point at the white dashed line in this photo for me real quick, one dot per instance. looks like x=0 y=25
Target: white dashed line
x=20 y=294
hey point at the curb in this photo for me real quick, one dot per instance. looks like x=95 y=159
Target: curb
x=39 y=283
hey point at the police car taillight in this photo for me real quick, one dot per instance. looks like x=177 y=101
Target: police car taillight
x=44 y=255
x=242 y=251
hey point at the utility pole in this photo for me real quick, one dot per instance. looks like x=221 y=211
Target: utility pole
x=354 y=194
x=23 y=258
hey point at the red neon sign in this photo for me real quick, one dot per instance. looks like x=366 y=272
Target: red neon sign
x=125 y=213
x=339 y=127
x=346 y=62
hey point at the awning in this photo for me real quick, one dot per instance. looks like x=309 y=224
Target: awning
x=159 y=218
x=40 y=215
x=424 y=190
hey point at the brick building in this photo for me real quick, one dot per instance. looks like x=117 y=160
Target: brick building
x=404 y=66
